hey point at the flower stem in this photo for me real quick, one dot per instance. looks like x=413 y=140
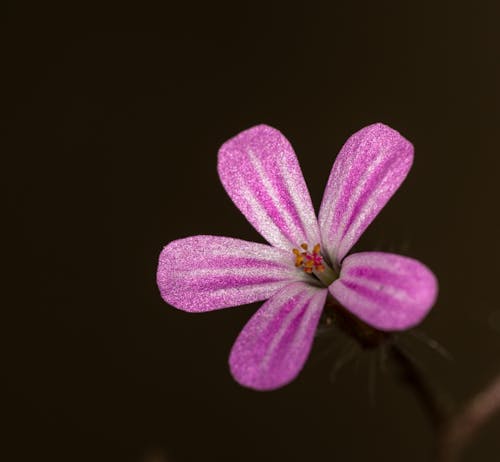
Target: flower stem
x=435 y=403
x=465 y=424
x=454 y=430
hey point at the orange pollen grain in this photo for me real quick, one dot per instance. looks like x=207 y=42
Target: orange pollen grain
x=309 y=261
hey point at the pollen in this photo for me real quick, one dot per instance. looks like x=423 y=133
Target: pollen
x=309 y=261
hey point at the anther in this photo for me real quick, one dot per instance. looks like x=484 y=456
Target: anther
x=309 y=261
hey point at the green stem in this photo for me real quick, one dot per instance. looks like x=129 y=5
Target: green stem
x=327 y=276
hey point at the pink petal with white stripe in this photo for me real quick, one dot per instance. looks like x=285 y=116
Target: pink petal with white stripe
x=203 y=273
x=389 y=292
x=261 y=174
x=274 y=345
x=370 y=167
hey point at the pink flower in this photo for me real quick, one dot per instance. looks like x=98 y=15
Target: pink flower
x=306 y=261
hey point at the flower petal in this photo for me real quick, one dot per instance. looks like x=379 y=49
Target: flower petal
x=203 y=273
x=370 y=167
x=273 y=346
x=387 y=291
x=261 y=174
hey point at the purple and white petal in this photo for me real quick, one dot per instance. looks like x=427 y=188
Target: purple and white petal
x=261 y=174
x=387 y=291
x=274 y=345
x=203 y=273
x=370 y=167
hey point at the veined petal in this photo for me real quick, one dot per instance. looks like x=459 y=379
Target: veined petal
x=261 y=174
x=273 y=346
x=203 y=273
x=389 y=292
x=370 y=167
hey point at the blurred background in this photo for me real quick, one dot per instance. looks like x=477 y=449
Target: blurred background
x=115 y=116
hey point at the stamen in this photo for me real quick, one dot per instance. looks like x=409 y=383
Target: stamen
x=308 y=261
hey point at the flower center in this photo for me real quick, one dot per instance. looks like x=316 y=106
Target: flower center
x=308 y=261
x=311 y=262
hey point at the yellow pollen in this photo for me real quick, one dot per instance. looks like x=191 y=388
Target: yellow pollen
x=309 y=261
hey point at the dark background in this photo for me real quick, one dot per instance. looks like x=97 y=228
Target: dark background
x=117 y=116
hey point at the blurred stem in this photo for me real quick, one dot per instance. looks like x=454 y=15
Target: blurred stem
x=435 y=402
x=464 y=425
x=454 y=429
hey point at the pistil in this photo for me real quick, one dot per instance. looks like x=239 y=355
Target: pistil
x=313 y=263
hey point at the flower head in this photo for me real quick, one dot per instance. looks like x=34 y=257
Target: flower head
x=306 y=260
